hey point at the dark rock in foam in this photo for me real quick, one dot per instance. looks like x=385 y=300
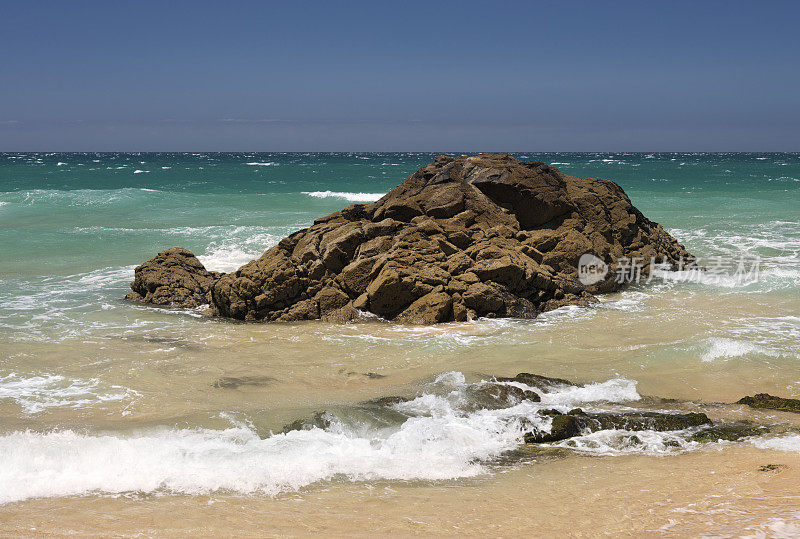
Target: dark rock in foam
x=577 y=422
x=487 y=235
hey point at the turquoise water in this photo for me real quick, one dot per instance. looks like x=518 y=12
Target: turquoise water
x=72 y=226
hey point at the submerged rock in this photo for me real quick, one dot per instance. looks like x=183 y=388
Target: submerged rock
x=387 y=401
x=538 y=381
x=577 y=422
x=489 y=395
x=235 y=382
x=319 y=420
x=773 y=468
x=487 y=235
x=770 y=402
x=729 y=433
x=478 y=396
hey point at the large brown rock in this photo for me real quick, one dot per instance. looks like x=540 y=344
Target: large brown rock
x=173 y=278
x=487 y=235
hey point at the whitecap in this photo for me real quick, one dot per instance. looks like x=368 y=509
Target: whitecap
x=257 y=164
x=352 y=197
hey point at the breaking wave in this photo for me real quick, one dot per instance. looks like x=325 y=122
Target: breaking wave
x=439 y=437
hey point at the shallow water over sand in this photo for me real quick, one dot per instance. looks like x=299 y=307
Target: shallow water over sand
x=168 y=421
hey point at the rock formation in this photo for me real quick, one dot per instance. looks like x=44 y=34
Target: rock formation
x=460 y=238
x=173 y=278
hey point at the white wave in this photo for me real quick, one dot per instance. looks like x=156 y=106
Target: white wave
x=627 y=300
x=226 y=258
x=622 y=442
x=785 y=527
x=37 y=393
x=73 y=197
x=440 y=439
x=719 y=347
x=789 y=442
x=197 y=461
x=352 y=197
x=229 y=247
x=139 y=171
x=236 y=247
x=60 y=164
x=699 y=276
x=60 y=292
x=754 y=280
x=780 y=333
x=257 y=164
x=607 y=160
x=612 y=391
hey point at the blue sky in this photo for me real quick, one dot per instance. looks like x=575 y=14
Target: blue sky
x=404 y=76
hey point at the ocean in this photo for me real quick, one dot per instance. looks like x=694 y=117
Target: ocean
x=107 y=405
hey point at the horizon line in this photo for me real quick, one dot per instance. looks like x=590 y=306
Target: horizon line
x=460 y=152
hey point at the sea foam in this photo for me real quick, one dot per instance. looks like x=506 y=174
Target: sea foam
x=35 y=394
x=781 y=443
x=722 y=348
